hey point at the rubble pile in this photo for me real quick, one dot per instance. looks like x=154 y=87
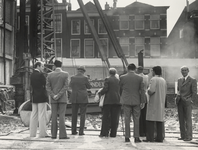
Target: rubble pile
x=10 y=123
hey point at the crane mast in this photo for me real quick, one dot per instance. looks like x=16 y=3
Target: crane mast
x=42 y=26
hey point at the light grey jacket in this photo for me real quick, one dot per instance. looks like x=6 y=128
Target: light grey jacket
x=57 y=84
x=132 y=88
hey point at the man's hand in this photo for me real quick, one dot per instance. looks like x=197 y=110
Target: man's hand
x=55 y=97
x=142 y=105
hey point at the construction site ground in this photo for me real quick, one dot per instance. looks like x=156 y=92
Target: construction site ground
x=15 y=136
x=91 y=141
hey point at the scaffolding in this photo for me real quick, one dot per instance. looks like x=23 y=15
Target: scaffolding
x=44 y=45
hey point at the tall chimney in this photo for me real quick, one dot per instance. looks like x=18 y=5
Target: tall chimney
x=69 y=6
x=106 y=6
x=187 y=6
x=187 y=10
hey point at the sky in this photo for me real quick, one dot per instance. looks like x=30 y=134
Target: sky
x=173 y=12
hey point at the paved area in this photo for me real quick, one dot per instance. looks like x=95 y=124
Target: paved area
x=90 y=141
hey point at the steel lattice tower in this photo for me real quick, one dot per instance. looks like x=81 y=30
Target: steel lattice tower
x=42 y=30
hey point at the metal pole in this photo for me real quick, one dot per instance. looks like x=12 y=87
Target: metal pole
x=42 y=30
x=4 y=41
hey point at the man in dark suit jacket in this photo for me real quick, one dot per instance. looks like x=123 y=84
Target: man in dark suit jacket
x=132 y=99
x=187 y=92
x=39 y=101
x=79 y=98
x=57 y=85
x=111 y=106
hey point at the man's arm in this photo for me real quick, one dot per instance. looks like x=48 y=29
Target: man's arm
x=49 y=88
x=65 y=87
x=105 y=88
x=194 y=90
x=152 y=86
x=88 y=85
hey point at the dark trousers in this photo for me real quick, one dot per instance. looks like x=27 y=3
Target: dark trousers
x=58 y=108
x=110 y=120
x=142 y=124
x=75 y=108
x=151 y=127
x=185 y=118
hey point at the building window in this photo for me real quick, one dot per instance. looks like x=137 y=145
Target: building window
x=124 y=43
x=89 y=48
x=124 y=22
x=86 y=27
x=139 y=45
x=139 y=22
x=75 y=48
x=58 y=44
x=58 y=23
x=75 y=27
x=101 y=28
x=58 y=47
x=155 y=46
x=104 y=43
x=155 y=21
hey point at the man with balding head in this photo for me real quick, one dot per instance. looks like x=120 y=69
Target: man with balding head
x=187 y=91
x=79 y=99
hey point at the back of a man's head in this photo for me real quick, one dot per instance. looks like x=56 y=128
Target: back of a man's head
x=131 y=67
x=140 y=69
x=38 y=64
x=58 y=63
x=157 y=70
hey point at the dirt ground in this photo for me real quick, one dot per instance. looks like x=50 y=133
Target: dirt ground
x=10 y=123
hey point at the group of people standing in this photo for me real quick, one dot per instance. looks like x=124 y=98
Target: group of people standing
x=129 y=93
x=144 y=97
x=133 y=92
x=54 y=89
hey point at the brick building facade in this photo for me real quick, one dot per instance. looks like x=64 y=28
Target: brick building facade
x=7 y=39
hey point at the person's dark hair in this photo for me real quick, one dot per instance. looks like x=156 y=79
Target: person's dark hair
x=112 y=71
x=131 y=67
x=37 y=64
x=58 y=63
x=157 y=70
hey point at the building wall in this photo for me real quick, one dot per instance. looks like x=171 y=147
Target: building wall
x=183 y=39
x=9 y=41
x=130 y=34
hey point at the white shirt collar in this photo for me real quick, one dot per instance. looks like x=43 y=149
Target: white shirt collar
x=37 y=70
x=186 y=77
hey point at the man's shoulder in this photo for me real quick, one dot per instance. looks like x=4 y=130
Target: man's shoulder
x=192 y=79
x=180 y=78
x=65 y=72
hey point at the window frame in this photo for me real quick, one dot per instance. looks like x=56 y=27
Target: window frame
x=155 y=44
x=139 y=19
x=85 y=47
x=71 y=47
x=125 y=44
x=155 y=19
x=58 y=14
x=107 y=52
x=85 y=24
x=123 y=20
x=72 y=27
x=99 y=27
x=60 y=46
x=139 y=44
